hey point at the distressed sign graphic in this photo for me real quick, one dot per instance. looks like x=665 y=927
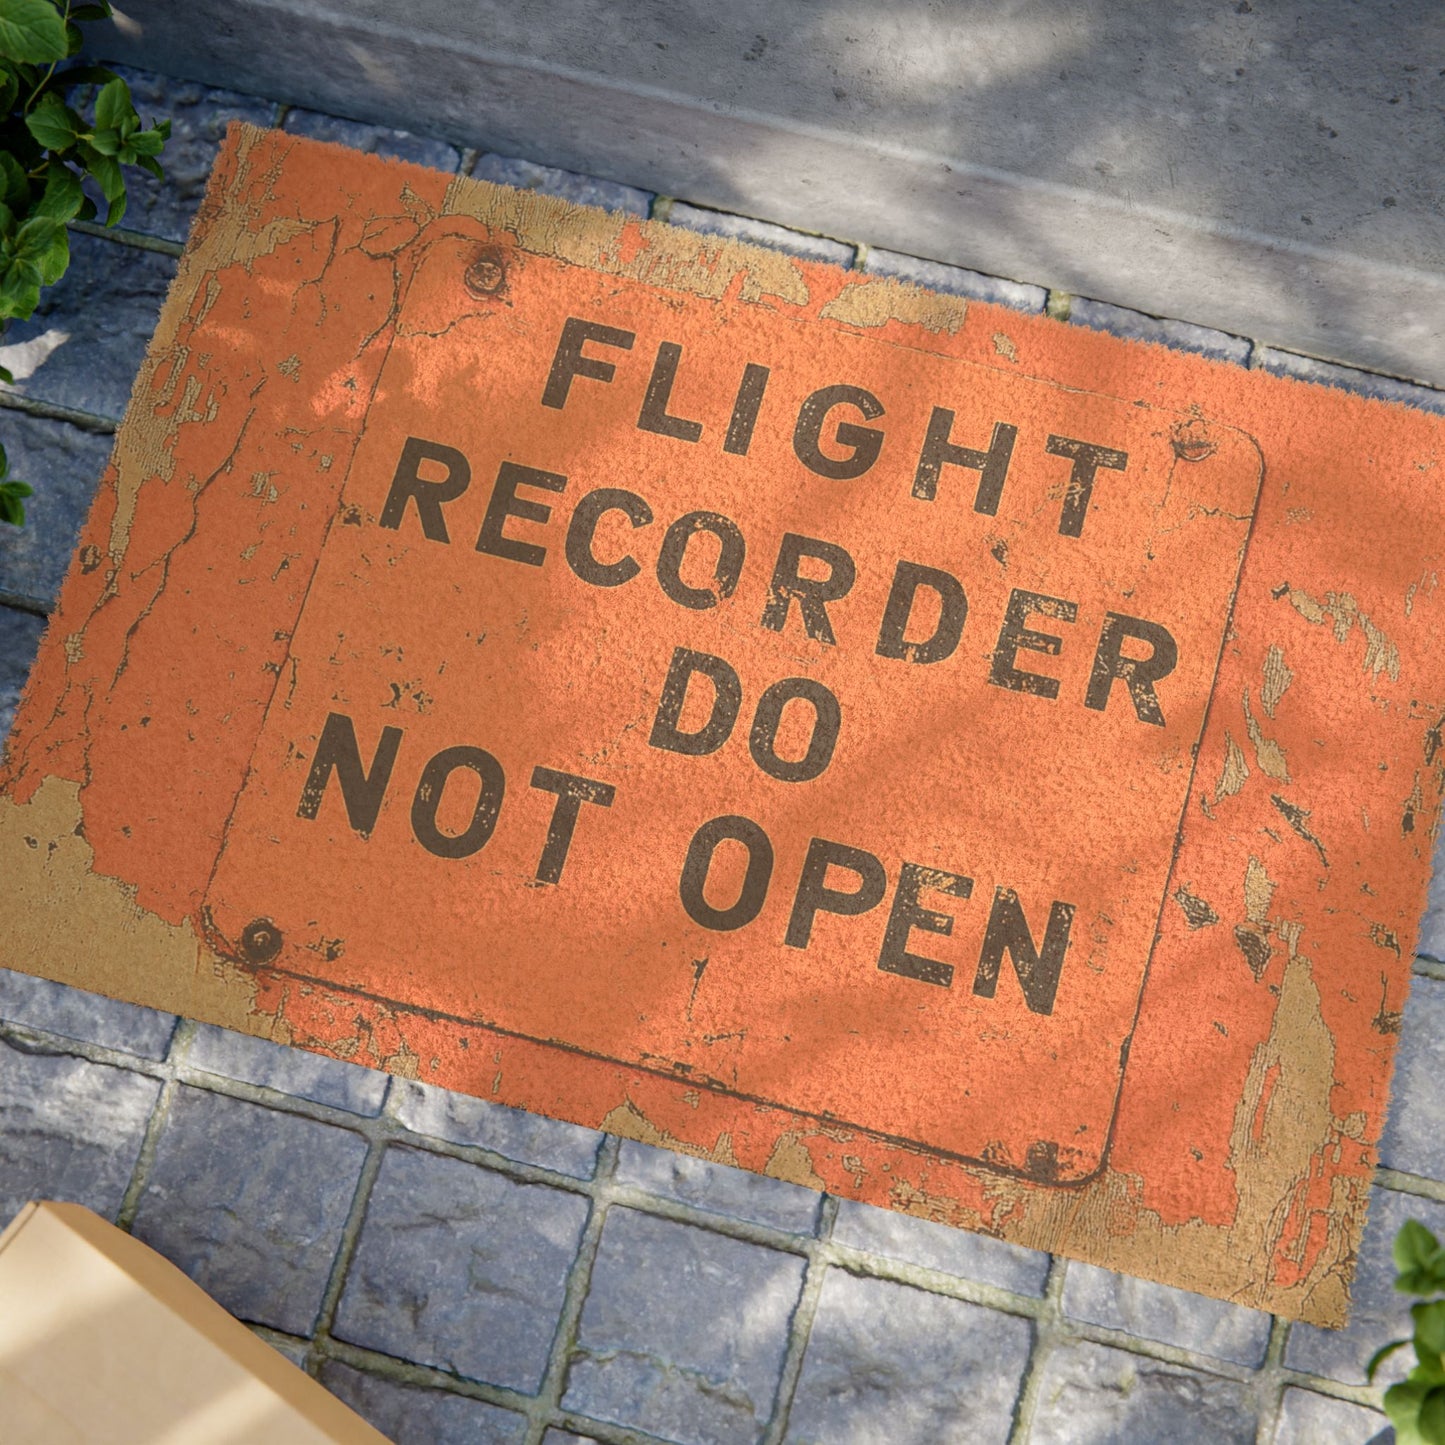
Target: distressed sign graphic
x=904 y=747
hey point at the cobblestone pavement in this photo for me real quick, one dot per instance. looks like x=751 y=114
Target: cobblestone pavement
x=459 y=1271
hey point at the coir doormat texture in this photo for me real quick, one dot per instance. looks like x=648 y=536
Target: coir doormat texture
x=962 y=762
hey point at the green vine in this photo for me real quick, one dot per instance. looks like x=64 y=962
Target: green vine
x=47 y=149
x=1416 y=1406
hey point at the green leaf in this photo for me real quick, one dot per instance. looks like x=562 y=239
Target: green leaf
x=19 y=289
x=53 y=123
x=14 y=186
x=112 y=105
x=31 y=30
x=63 y=196
x=35 y=237
x=87 y=210
x=7 y=222
x=1432 y=1417
x=4 y=460
x=1414 y=1245
x=147 y=142
x=55 y=258
x=7 y=377
x=74 y=39
x=1380 y=1356
x=1430 y=1325
x=9 y=89
x=105 y=170
x=115 y=210
x=12 y=509
x=1402 y=1405
x=107 y=142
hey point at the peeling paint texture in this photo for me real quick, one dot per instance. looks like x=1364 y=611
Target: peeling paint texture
x=1231 y=1153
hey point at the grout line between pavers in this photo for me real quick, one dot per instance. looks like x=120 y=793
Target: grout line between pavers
x=19 y=602
x=168 y=1071
x=48 y=411
x=1270 y=1382
x=548 y=1403
x=1403 y=1182
x=1046 y=1325
x=408 y=1372
x=800 y=1327
x=124 y=236
x=346 y=1246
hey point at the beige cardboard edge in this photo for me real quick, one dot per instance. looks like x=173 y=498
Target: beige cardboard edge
x=193 y=1307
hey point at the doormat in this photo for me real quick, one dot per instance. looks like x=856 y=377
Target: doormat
x=941 y=756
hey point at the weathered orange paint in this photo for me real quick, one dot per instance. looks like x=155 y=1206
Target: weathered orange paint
x=1199 y=1101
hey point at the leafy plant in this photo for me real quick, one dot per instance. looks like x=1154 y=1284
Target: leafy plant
x=1416 y=1406
x=12 y=494
x=46 y=150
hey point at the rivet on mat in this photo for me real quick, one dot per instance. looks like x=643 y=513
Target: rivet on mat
x=261 y=940
x=486 y=275
x=1191 y=442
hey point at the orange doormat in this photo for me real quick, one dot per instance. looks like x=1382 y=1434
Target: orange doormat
x=959 y=761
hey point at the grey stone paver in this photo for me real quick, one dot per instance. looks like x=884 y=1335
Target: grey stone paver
x=20 y=634
x=1306 y=1418
x=1093 y=1395
x=761 y=233
x=1136 y=326
x=1171 y=1316
x=461 y=1268
x=941 y=1247
x=1413 y=1140
x=250 y=1203
x=84 y=344
x=1378 y=1313
x=886 y=1362
x=527 y=1138
x=89 y=1017
x=955 y=280
x=69 y=1130
x=291 y=1071
x=199 y=116
x=63 y=463
x=377 y=140
x=582 y=190
x=684 y=1331
x=717 y=1187
x=1432 y=926
x=1365 y=383
x=414 y=1415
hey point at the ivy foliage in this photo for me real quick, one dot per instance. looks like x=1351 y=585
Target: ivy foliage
x=1416 y=1406
x=47 y=149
